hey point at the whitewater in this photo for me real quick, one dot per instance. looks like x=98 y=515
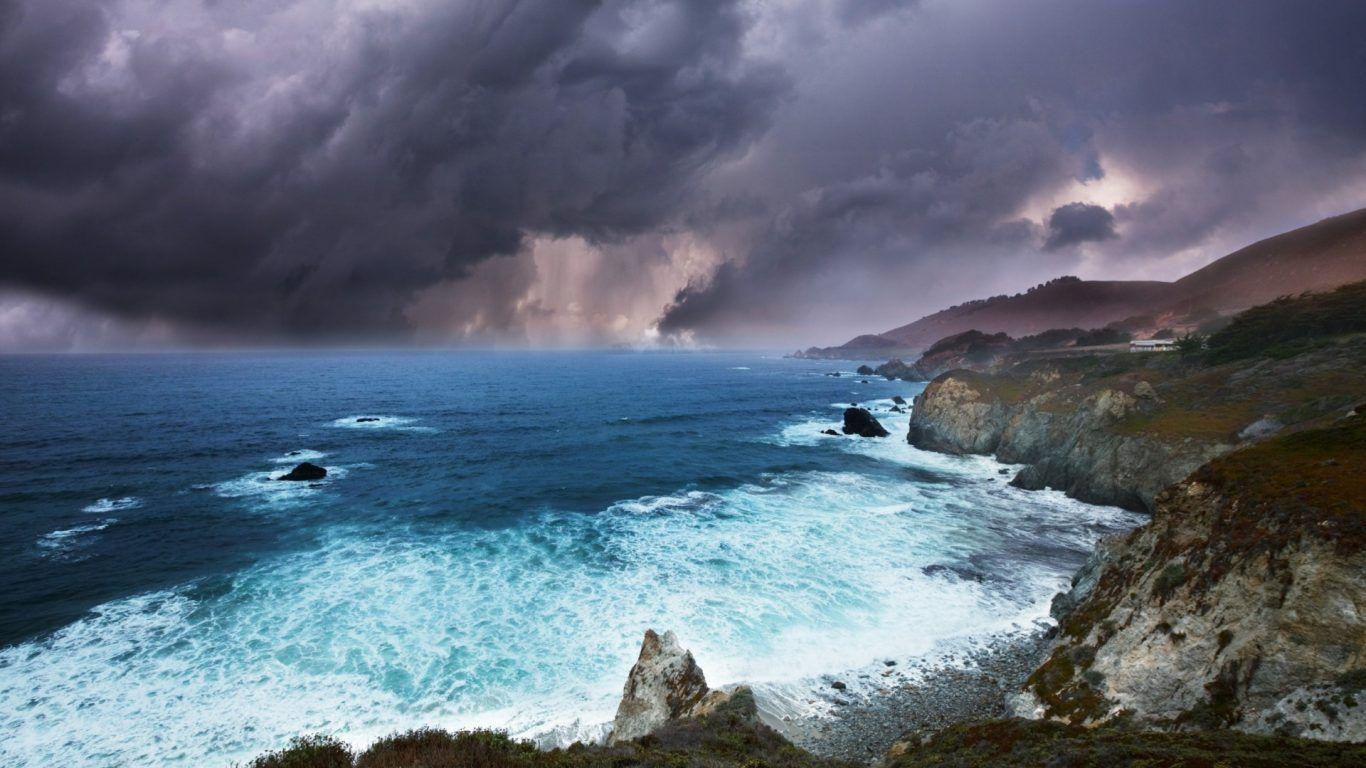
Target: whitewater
x=486 y=551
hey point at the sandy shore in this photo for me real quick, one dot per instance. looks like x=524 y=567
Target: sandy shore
x=972 y=686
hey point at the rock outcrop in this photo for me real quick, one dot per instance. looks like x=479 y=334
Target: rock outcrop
x=665 y=685
x=1118 y=429
x=303 y=472
x=859 y=421
x=1243 y=603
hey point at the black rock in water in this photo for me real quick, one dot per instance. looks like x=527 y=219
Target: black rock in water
x=305 y=471
x=858 y=421
x=837 y=685
x=864 y=370
x=364 y=419
x=830 y=432
x=898 y=399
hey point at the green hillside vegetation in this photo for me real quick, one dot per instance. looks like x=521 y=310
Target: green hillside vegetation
x=1289 y=325
x=1034 y=744
x=731 y=739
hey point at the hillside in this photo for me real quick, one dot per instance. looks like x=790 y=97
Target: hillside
x=1320 y=256
x=1066 y=302
x=1313 y=258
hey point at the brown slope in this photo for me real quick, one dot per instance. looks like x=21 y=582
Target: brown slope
x=1318 y=257
x=1063 y=303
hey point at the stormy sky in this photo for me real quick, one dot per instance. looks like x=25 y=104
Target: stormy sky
x=551 y=172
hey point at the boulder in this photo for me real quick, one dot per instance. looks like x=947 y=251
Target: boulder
x=830 y=432
x=305 y=471
x=898 y=399
x=365 y=419
x=858 y=421
x=864 y=370
x=664 y=685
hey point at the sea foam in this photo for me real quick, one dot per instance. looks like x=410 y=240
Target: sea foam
x=104 y=506
x=533 y=627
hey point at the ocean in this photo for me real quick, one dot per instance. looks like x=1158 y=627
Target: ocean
x=487 y=551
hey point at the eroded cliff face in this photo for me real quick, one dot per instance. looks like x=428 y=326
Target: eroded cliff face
x=1069 y=439
x=1119 y=429
x=1243 y=603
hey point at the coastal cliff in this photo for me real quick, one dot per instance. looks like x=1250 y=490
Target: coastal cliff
x=1118 y=429
x=1242 y=605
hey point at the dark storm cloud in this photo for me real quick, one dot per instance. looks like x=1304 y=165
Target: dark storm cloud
x=804 y=169
x=1226 y=122
x=1077 y=223
x=304 y=167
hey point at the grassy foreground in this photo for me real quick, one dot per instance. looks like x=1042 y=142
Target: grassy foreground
x=732 y=738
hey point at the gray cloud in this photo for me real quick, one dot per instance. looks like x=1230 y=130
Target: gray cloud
x=1214 y=128
x=304 y=169
x=1077 y=223
x=300 y=169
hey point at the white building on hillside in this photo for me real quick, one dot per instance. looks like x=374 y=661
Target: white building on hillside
x=1152 y=345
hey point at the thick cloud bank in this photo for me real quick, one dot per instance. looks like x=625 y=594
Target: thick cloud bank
x=303 y=167
x=734 y=171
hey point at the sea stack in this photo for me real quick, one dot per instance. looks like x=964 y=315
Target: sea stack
x=664 y=685
x=305 y=471
x=858 y=421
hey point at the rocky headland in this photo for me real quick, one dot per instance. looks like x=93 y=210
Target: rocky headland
x=1241 y=605
x=1119 y=428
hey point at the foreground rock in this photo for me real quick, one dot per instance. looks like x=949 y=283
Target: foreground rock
x=859 y=421
x=305 y=471
x=1242 y=605
x=664 y=686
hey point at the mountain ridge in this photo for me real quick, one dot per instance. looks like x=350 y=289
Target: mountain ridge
x=1318 y=256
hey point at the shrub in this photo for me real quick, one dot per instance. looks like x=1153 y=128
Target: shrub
x=434 y=748
x=1169 y=579
x=1288 y=325
x=308 y=752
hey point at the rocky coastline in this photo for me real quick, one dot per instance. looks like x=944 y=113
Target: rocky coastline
x=1229 y=630
x=1118 y=429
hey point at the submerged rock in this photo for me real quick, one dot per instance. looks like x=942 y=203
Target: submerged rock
x=830 y=432
x=305 y=471
x=664 y=685
x=364 y=419
x=858 y=421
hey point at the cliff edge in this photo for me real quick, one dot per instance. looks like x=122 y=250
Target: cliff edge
x=1242 y=605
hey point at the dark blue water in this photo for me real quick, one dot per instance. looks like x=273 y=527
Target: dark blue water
x=487 y=552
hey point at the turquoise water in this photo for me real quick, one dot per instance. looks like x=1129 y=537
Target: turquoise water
x=487 y=553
